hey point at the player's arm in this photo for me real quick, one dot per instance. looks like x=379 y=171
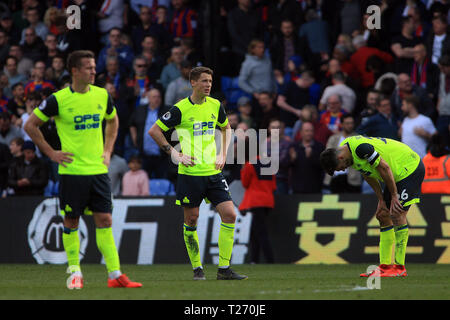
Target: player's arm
x=111 y=130
x=163 y=124
x=37 y=118
x=388 y=177
x=225 y=130
x=376 y=187
x=367 y=151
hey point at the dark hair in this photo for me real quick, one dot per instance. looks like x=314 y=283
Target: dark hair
x=15 y=85
x=197 y=71
x=345 y=116
x=414 y=101
x=437 y=146
x=19 y=141
x=74 y=59
x=441 y=18
x=58 y=56
x=135 y=158
x=340 y=76
x=405 y=20
x=115 y=28
x=34 y=95
x=269 y=94
x=12 y=57
x=329 y=160
x=387 y=86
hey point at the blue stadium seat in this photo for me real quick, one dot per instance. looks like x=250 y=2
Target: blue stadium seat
x=49 y=189
x=232 y=91
x=55 y=189
x=161 y=187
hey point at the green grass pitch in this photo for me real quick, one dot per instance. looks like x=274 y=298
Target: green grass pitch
x=266 y=282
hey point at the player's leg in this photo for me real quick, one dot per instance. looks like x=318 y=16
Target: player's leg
x=101 y=205
x=190 y=192
x=401 y=236
x=72 y=198
x=106 y=244
x=190 y=236
x=226 y=240
x=387 y=239
x=71 y=243
x=226 y=233
x=219 y=195
x=409 y=192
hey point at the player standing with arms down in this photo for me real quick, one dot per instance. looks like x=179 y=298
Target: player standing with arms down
x=199 y=167
x=402 y=171
x=83 y=160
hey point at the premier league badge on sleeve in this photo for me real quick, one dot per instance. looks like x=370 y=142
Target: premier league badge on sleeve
x=43 y=105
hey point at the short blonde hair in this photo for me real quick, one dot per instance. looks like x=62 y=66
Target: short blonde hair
x=253 y=44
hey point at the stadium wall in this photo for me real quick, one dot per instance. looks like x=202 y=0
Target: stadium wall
x=304 y=229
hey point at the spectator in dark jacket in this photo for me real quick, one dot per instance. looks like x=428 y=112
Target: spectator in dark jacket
x=5 y=158
x=406 y=88
x=307 y=175
x=285 y=142
x=382 y=124
x=285 y=45
x=33 y=47
x=116 y=48
x=424 y=73
x=438 y=41
x=244 y=24
x=280 y=10
x=154 y=160
x=28 y=175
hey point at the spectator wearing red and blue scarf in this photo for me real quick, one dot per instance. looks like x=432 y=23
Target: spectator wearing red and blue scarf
x=424 y=73
x=184 y=20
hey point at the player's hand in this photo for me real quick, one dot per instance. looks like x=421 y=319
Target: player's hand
x=220 y=162
x=382 y=206
x=184 y=159
x=61 y=157
x=106 y=158
x=396 y=206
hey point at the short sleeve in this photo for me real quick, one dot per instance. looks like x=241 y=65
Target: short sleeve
x=429 y=126
x=367 y=152
x=169 y=119
x=222 y=119
x=110 y=108
x=47 y=109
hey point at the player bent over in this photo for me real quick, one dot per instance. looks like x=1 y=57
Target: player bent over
x=402 y=171
x=199 y=168
x=83 y=160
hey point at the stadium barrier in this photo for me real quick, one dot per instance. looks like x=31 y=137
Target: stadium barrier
x=304 y=229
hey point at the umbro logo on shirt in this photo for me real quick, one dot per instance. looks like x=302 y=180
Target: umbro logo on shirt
x=213 y=116
x=99 y=107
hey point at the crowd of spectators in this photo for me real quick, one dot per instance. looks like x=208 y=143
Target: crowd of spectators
x=314 y=69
